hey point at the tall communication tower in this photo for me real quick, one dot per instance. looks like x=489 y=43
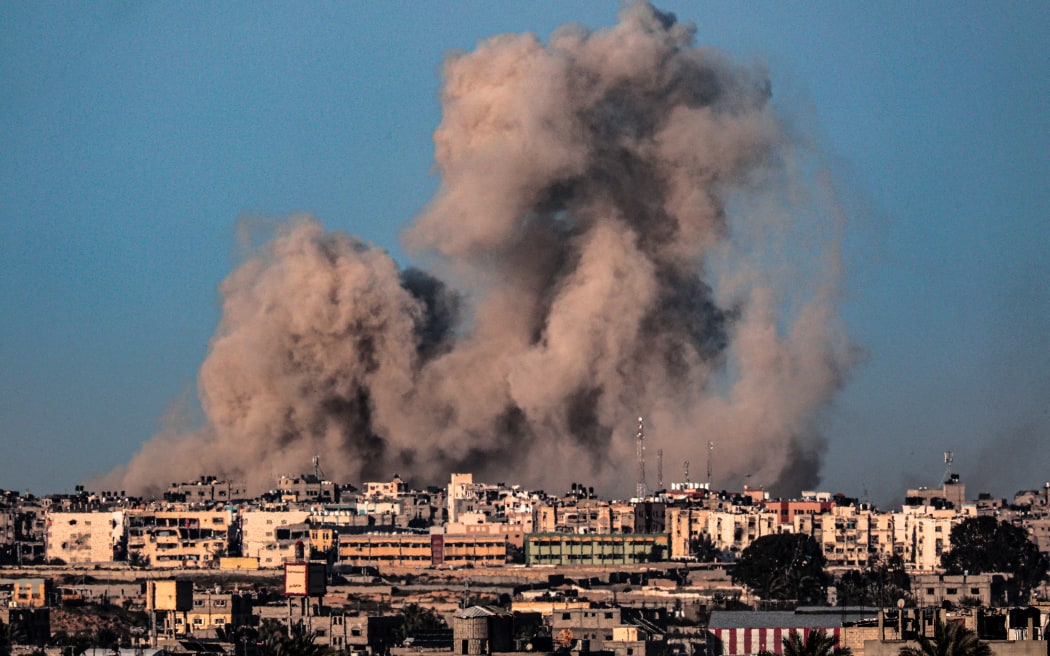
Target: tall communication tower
x=685 y=470
x=659 y=469
x=710 y=455
x=948 y=458
x=640 y=489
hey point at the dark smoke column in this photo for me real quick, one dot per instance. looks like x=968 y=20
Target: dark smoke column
x=635 y=233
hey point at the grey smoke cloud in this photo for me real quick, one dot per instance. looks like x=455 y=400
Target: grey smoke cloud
x=617 y=233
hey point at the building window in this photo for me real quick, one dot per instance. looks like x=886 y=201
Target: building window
x=952 y=591
x=219 y=620
x=929 y=591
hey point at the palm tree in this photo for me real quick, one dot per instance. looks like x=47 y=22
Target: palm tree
x=949 y=640
x=816 y=643
x=300 y=640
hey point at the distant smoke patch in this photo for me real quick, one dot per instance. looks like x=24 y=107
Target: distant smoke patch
x=625 y=229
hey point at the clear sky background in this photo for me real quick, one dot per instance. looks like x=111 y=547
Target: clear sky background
x=134 y=135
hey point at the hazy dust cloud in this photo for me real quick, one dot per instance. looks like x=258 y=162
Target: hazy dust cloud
x=625 y=226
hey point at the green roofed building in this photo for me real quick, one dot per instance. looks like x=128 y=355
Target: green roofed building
x=595 y=548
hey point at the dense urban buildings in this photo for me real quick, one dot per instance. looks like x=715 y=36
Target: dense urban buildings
x=583 y=568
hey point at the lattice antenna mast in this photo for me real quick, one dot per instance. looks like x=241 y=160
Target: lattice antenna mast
x=710 y=456
x=685 y=470
x=318 y=474
x=659 y=469
x=948 y=458
x=640 y=490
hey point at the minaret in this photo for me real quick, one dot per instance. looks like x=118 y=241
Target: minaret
x=640 y=490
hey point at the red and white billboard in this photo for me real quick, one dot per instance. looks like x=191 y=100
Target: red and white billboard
x=304 y=579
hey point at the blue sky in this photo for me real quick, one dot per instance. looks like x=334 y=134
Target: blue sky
x=135 y=135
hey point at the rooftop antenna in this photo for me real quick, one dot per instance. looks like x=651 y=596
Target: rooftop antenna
x=640 y=489
x=318 y=474
x=659 y=469
x=685 y=469
x=948 y=466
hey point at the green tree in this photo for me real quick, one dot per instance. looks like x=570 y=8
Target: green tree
x=816 y=643
x=297 y=641
x=984 y=544
x=421 y=618
x=881 y=583
x=704 y=549
x=418 y=618
x=948 y=640
x=5 y=641
x=784 y=566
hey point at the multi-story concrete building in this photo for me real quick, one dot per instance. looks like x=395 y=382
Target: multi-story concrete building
x=845 y=536
x=82 y=538
x=270 y=535
x=951 y=494
x=28 y=592
x=22 y=530
x=595 y=549
x=208 y=489
x=735 y=530
x=593 y=627
x=415 y=550
x=179 y=538
x=308 y=488
x=353 y=632
x=934 y=589
x=811 y=504
x=391 y=489
x=921 y=534
x=213 y=610
x=177 y=609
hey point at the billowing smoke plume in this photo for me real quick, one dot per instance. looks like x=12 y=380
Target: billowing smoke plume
x=625 y=228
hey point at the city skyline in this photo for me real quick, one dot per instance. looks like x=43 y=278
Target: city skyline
x=138 y=139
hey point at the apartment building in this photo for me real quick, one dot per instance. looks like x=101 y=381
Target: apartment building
x=179 y=537
x=208 y=489
x=270 y=535
x=922 y=534
x=308 y=488
x=845 y=535
x=83 y=538
x=590 y=627
x=213 y=610
x=178 y=609
x=391 y=489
